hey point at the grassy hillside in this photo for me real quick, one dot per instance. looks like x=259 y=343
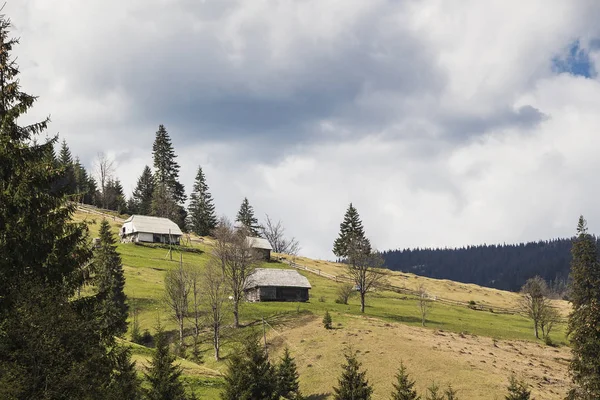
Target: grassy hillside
x=475 y=350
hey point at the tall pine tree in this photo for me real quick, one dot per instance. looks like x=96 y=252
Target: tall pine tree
x=42 y=250
x=201 y=211
x=351 y=229
x=110 y=281
x=250 y=375
x=404 y=386
x=163 y=376
x=584 y=320
x=353 y=383
x=246 y=217
x=166 y=179
x=65 y=160
x=142 y=195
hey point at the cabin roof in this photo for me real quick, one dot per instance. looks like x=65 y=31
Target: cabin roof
x=147 y=224
x=259 y=243
x=276 y=277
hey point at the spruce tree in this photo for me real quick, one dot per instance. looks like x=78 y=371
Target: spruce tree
x=517 y=390
x=351 y=229
x=451 y=393
x=353 y=383
x=164 y=378
x=142 y=195
x=166 y=180
x=201 y=210
x=250 y=375
x=125 y=383
x=327 y=321
x=246 y=217
x=65 y=160
x=110 y=281
x=287 y=377
x=433 y=392
x=584 y=320
x=82 y=187
x=404 y=386
x=49 y=346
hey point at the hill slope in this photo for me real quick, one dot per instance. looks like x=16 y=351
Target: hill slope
x=475 y=350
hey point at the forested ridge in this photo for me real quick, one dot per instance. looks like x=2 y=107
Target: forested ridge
x=501 y=266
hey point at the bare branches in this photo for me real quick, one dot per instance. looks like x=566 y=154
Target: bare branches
x=274 y=232
x=365 y=268
x=104 y=169
x=177 y=291
x=424 y=303
x=232 y=251
x=536 y=305
x=214 y=287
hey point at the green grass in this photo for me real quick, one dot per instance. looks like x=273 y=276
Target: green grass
x=145 y=269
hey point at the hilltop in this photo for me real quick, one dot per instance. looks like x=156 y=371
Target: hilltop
x=476 y=349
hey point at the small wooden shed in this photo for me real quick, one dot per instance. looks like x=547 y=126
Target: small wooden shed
x=261 y=246
x=143 y=228
x=268 y=284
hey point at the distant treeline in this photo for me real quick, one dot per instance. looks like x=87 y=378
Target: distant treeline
x=504 y=266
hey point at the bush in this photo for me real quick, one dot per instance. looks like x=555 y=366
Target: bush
x=147 y=339
x=344 y=292
x=327 y=321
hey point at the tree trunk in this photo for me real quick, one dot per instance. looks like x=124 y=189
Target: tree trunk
x=181 y=333
x=236 y=319
x=535 y=327
x=216 y=341
x=362 y=302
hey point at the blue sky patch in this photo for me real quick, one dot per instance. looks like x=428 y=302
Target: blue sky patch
x=576 y=62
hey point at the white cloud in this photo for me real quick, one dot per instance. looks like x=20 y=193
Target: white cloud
x=444 y=122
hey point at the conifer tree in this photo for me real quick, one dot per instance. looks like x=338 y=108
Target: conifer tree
x=351 y=229
x=49 y=347
x=65 y=160
x=201 y=210
x=246 y=217
x=142 y=195
x=517 y=390
x=353 y=383
x=164 y=378
x=166 y=180
x=82 y=187
x=327 y=321
x=433 y=392
x=287 y=377
x=584 y=320
x=404 y=386
x=110 y=281
x=125 y=383
x=250 y=375
x=451 y=393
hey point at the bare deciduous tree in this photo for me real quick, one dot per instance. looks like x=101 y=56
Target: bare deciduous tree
x=424 y=303
x=274 y=232
x=535 y=303
x=194 y=276
x=104 y=168
x=214 y=287
x=365 y=267
x=237 y=258
x=344 y=292
x=550 y=316
x=177 y=291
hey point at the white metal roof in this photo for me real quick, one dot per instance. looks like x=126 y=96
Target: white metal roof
x=147 y=224
x=276 y=277
x=259 y=243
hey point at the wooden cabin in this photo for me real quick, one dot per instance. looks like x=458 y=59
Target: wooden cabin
x=143 y=228
x=269 y=284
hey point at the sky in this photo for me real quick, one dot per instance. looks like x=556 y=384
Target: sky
x=445 y=122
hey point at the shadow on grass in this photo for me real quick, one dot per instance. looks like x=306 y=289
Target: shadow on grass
x=409 y=320
x=320 y=396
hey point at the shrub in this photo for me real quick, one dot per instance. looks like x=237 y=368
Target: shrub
x=344 y=292
x=327 y=321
